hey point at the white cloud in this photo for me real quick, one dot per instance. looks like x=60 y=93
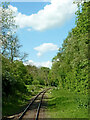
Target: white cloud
x=45 y=47
x=29 y=29
x=39 y=64
x=25 y=0
x=54 y=14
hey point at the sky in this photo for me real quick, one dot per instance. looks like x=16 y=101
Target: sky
x=42 y=28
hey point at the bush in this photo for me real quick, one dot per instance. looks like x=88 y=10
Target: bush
x=35 y=82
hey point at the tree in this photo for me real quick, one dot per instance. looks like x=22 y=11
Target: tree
x=9 y=40
x=70 y=65
x=7 y=25
x=45 y=73
x=14 y=72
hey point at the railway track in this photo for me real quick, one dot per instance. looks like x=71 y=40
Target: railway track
x=27 y=112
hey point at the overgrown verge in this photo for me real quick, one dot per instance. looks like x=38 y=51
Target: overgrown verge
x=66 y=104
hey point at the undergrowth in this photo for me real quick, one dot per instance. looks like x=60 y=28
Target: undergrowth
x=66 y=104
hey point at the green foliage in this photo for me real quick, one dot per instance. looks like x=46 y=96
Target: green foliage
x=16 y=77
x=65 y=104
x=39 y=74
x=15 y=103
x=14 y=72
x=13 y=76
x=28 y=79
x=70 y=66
x=69 y=69
x=35 y=82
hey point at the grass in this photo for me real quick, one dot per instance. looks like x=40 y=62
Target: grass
x=65 y=104
x=15 y=103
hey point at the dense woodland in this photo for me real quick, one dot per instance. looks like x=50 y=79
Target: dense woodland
x=70 y=65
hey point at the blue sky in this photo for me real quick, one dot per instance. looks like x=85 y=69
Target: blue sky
x=40 y=31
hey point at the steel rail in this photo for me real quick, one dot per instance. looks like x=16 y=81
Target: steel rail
x=39 y=106
x=25 y=110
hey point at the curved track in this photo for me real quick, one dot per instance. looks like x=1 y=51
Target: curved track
x=27 y=112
